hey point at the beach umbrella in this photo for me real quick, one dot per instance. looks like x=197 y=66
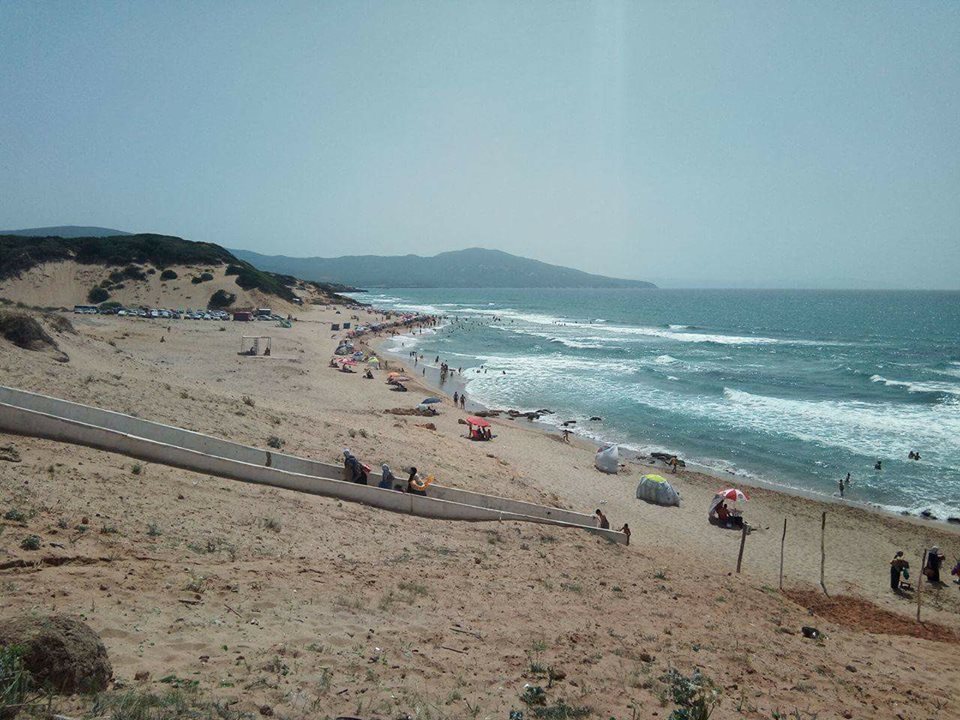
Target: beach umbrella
x=731 y=494
x=430 y=401
x=398 y=378
x=349 y=362
x=374 y=360
x=479 y=422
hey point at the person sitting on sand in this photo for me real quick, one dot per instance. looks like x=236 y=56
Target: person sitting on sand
x=602 y=521
x=416 y=486
x=368 y=375
x=387 y=479
x=355 y=472
x=898 y=567
x=728 y=518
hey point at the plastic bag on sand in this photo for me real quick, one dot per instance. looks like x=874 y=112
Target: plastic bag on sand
x=608 y=460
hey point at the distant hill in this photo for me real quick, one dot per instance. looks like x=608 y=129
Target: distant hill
x=475 y=267
x=65 y=231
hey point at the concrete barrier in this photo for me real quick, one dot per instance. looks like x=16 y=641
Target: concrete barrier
x=26 y=421
x=209 y=445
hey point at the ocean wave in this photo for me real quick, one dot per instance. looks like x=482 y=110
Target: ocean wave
x=931 y=386
x=871 y=429
x=580 y=345
x=712 y=338
x=665 y=360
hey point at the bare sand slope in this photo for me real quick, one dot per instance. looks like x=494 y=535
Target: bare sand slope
x=318 y=608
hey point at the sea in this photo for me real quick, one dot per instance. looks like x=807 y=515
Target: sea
x=786 y=388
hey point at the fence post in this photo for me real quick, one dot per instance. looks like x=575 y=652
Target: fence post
x=823 y=551
x=783 y=539
x=923 y=564
x=743 y=541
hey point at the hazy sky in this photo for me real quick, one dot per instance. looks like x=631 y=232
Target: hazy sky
x=727 y=144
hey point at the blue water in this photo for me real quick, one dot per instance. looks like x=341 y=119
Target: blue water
x=789 y=387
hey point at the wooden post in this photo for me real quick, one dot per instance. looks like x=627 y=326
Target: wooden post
x=823 y=551
x=923 y=564
x=783 y=539
x=743 y=541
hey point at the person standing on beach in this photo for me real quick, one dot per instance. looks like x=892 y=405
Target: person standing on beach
x=897 y=567
x=602 y=521
x=840 y=485
x=456 y=398
x=463 y=400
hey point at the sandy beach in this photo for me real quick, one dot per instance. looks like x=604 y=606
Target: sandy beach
x=256 y=597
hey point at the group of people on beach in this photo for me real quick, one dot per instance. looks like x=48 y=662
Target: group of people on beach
x=934 y=559
x=356 y=472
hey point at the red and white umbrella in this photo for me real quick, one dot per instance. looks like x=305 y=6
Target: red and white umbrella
x=731 y=494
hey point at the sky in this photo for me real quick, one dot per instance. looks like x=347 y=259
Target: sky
x=714 y=144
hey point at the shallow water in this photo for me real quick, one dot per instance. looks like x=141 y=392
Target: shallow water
x=791 y=387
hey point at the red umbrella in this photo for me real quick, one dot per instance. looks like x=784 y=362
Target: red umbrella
x=479 y=422
x=349 y=362
x=732 y=494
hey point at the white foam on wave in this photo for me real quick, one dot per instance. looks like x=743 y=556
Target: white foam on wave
x=696 y=337
x=930 y=386
x=871 y=429
x=665 y=360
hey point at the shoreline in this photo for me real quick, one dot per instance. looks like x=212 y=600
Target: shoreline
x=429 y=381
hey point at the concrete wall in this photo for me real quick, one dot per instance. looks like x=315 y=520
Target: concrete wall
x=37 y=424
x=208 y=445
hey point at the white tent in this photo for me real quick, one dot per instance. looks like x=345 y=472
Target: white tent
x=608 y=460
x=655 y=489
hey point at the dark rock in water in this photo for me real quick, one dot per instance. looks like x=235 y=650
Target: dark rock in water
x=927 y=514
x=60 y=651
x=596 y=418
x=569 y=422
x=955 y=520
x=544 y=411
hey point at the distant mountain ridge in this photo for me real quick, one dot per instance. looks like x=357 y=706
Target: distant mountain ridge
x=474 y=267
x=66 y=231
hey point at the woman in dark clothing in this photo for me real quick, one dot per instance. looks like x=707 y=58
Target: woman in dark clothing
x=354 y=470
x=934 y=561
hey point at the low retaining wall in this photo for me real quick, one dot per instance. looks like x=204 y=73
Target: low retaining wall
x=209 y=445
x=37 y=424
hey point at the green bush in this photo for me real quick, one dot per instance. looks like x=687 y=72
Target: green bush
x=168 y=275
x=98 y=295
x=15 y=681
x=204 y=277
x=234 y=269
x=221 y=299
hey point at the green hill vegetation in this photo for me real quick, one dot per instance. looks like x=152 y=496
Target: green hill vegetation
x=19 y=253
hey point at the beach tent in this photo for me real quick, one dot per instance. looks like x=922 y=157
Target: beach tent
x=430 y=401
x=655 y=489
x=374 y=360
x=607 y=460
